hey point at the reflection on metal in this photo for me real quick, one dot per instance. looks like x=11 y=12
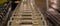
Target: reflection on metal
x=53 y=11
x=54 y=4
x=27 y=14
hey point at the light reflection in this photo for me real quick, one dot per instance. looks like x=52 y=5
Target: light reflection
x=54 y=1
x=54 y=6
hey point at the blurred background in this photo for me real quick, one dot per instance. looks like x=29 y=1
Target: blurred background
x=49 y=8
